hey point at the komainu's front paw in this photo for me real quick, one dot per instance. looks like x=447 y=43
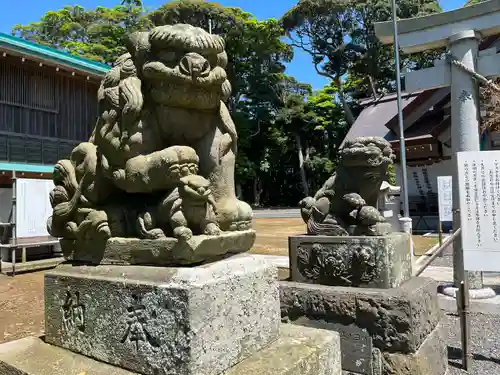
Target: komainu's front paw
x=156 y=234
x=212 y=229
x=183 y=233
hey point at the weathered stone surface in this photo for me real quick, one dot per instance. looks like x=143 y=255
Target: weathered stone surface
x=368 y=261
x=377 y=361
x=355 y=342
x=163 y=252
x=297 y=351
x=430 y=359
x=175 y=321
x=398 y=319
x=32 y=356
x=346 y=203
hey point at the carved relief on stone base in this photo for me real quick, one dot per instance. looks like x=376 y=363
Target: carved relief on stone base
x=357 y=261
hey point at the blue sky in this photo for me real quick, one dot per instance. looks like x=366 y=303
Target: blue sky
x=25 y=11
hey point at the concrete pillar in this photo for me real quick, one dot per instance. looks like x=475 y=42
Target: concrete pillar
x=406 y=226
x=464 y=133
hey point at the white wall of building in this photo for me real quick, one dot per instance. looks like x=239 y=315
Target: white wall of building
x=422 y=180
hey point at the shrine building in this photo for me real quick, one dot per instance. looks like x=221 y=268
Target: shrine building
x=47 y=104
x=427 y=121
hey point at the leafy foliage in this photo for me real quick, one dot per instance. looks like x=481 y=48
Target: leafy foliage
x=339 y=35
x=97 y=34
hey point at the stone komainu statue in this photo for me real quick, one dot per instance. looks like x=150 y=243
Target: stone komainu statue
x=346 y=204
x=162 y=117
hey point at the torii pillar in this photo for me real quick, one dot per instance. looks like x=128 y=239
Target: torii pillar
x=460 y=32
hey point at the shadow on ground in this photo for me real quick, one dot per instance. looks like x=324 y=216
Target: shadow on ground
x=455 y=357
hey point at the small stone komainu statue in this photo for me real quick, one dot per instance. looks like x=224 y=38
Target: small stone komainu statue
x=346 y=204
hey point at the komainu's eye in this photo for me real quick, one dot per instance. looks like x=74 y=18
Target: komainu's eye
x=212 y=60
x=167 y=56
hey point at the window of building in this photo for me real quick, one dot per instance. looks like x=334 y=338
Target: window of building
x=26 y=85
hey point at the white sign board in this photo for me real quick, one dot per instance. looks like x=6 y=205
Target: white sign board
x=445 y=198
x=32 y=207
x=479 y=190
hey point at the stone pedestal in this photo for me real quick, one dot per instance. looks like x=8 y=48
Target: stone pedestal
x=368 y=261
x=383 y=331
x=217 y=318
x=362 y=287
x=200 y=320
x=161 y=252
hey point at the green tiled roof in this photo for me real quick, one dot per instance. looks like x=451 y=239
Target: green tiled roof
x=22 y=167
x=50 y=54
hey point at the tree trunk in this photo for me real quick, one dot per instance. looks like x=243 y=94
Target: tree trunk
x=303 y=177
x=257 y=191
x=372 y=86
x=239 y=191
x=347 y=110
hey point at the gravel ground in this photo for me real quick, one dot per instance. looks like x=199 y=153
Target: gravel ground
x=484 y=338
x=445 y=261
x=484 y=343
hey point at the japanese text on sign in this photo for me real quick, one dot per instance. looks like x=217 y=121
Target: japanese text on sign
x=445 y=198
x=479 y=191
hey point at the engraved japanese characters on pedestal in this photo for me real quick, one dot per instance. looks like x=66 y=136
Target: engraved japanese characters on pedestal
x=346 y=204
x=160 y=161
x=137 y=331
x=73 y=312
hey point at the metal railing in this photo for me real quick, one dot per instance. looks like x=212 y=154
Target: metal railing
x=438 y=251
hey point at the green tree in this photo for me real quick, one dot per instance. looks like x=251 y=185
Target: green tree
x=329 y=127
x=97 y=34
x=339 y=35
x=313 y=126
x=291 y=116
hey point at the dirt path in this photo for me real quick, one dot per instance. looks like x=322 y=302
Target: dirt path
x=21 y=306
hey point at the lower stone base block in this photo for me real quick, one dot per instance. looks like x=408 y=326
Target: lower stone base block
x=382 y=331
x=176 y=321
x=429 y=359
x=297 y=351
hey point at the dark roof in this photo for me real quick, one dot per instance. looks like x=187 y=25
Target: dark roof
x=372 y=120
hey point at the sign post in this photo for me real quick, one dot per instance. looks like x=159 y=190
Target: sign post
x=479 y=194
x=445 y=203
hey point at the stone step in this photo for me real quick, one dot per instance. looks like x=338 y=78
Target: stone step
x=32 y=356
x=297 y=351
x=33 y=265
